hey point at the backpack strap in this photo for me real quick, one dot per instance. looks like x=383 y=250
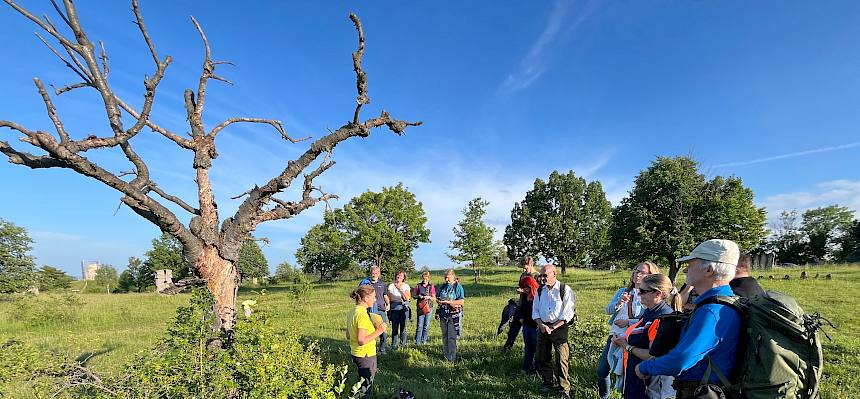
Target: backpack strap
x=723 y=380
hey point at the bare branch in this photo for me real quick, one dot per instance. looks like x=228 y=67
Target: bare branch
x=244 y=194
x=80 y=73
x=139 y=22
x=57 y=7
x=69 y=88
x=361 y=77
x=104 y=58
x=208 y=72
x=27 y=159
x=48 y=28
x=182 y=142
x=275 y=123
x=52 y=112
x=174 y=199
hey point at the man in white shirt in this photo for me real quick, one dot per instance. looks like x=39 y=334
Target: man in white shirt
x=553 y=312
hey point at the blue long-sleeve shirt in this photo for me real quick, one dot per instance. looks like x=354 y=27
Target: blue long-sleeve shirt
x=713 y=331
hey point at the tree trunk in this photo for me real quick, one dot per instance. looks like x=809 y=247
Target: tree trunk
x=674 y=267
x=222 y=279
x=562 y=262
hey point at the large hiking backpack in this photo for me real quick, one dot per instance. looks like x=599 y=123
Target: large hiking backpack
x=780 y=352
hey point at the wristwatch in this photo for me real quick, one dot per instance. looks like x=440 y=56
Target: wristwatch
x=629 y=348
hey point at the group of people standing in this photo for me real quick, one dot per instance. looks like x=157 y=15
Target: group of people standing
x=546 y=311
x=377 y=304
x=709 y=338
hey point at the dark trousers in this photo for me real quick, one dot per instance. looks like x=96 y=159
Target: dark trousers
x=513 y=331
x=367 y=370
x=449 y=337
x=398 y=327
x=603 y=381
x=530 y=337
x=557 y=374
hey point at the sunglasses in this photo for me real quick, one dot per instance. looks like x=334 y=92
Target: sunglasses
x=646 y=291
x=542 y=275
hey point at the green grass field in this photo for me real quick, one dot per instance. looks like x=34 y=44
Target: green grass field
x=116 y=326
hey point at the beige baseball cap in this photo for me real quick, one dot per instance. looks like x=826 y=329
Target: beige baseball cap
x=724 y=251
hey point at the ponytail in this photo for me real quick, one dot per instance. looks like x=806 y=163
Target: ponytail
x=360 y=293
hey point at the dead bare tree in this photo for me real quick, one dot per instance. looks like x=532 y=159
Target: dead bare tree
x=210 y=246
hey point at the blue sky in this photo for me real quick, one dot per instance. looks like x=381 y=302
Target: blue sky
x=508 y=92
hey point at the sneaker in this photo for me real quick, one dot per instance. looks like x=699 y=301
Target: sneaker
x=565 y=395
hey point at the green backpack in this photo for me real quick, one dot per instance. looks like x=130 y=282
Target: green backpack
x=780 y=355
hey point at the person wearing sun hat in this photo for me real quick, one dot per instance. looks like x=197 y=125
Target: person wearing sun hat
x=713 y=331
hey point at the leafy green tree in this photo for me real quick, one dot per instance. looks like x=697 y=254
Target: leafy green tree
x=106 y=276
x=473 y=239
x=17 y=269
x=283 y=272
x=166 y=253
x=383 y=228
x=51 y=278
x=671 y=208
x=823 y=228
x=324 y=252
x=788 y=240
x=565 y=220
x=500 y=254
x=137 y=276
x=522 y=236
x=850 y=244
x=252 y=263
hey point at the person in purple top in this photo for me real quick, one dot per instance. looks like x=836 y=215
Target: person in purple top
x=713 y=331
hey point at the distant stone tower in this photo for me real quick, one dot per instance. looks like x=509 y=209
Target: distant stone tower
x=163 y=279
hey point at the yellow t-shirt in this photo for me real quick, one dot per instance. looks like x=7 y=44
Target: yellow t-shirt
x=359 y=319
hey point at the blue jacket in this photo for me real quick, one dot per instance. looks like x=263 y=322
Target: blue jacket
x=713 y=331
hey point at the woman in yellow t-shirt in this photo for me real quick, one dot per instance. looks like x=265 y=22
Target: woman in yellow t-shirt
x=362 y=332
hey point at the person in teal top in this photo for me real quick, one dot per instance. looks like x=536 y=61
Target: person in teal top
x=450 y=297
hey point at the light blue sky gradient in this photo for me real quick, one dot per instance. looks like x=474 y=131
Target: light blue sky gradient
x=508 y=91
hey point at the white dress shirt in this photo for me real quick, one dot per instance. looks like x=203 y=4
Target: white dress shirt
x=550 y=308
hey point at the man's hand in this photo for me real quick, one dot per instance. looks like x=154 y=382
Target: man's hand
x=639 y=373
x=620 y=341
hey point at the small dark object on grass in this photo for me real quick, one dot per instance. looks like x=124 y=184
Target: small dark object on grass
x=786 y=277
x=770 y=277
x=829 y=276
x=403 y=394
x=803 y=275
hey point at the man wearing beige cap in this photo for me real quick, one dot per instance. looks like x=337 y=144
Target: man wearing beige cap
x=713 y=330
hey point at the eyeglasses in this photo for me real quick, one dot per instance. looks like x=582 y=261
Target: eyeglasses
x=646 y=291
x=542 y=275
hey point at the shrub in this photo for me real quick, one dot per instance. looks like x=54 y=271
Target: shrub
x=258 y=362
x=47 y=310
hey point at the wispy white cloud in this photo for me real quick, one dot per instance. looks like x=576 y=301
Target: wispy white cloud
x=791 y=155
x=534 y=63
x=838 y=192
